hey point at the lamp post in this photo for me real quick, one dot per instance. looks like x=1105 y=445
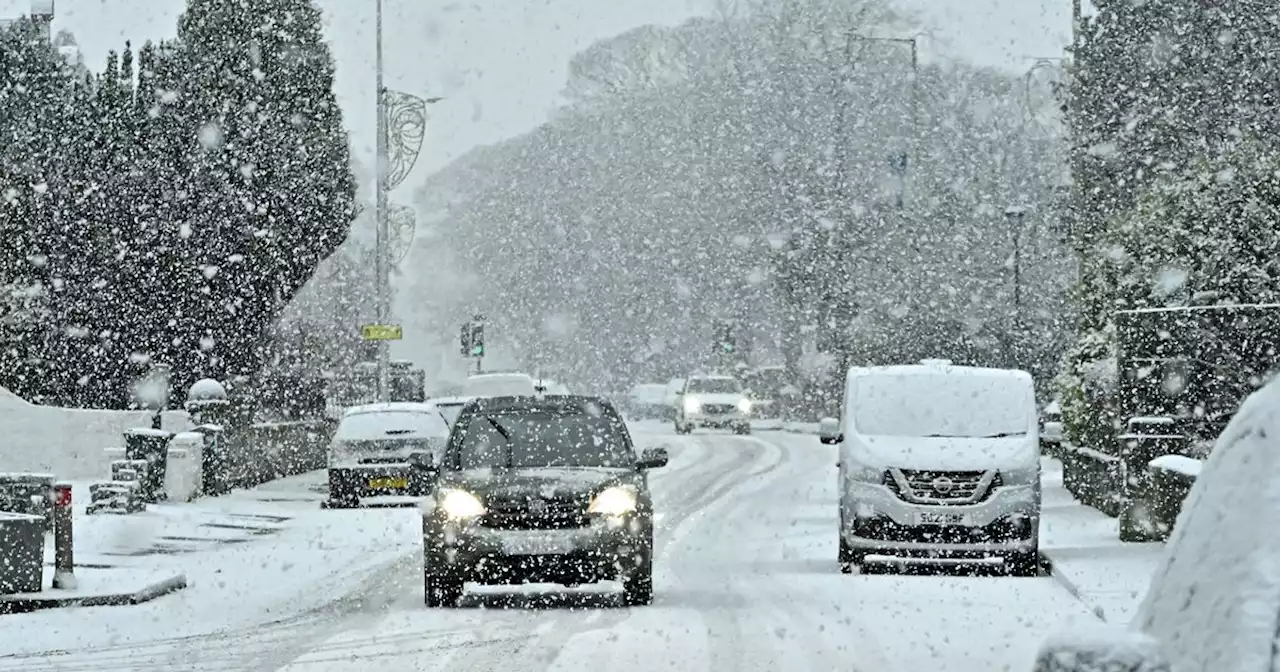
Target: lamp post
x=1016 y=215
x=900 y=164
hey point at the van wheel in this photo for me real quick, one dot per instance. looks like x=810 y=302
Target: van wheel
x=441 y=591
x=849 y=558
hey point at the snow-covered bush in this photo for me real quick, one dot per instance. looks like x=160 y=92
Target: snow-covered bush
x=1100 y=649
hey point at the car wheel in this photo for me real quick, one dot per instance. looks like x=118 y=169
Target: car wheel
x=744 y=428
x=441 y=591
x=682 y=429
x=637 y=586
x=1022 y=563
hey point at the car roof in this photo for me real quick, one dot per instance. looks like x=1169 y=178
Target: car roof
x=450 y=401
x=506 y=374
x=531 y=403
x=711 y=376
x=936 y=369
x=392 y=407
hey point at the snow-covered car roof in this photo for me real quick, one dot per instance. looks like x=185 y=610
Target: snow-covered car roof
x=499 y=384
x=400 y=420
x=1214 y=598
x=391 y=407
x=450 y=401
x=933 y=369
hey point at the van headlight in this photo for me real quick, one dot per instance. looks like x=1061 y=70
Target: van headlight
x=692 y=405
x=744 y=405
x=1021 y=477
x=615 y=501
x=460 y=504
x=862 y=473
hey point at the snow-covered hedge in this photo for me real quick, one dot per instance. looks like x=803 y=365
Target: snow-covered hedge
x=1100 y=649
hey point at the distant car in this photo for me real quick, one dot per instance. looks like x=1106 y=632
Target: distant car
x=450 y=407
x=378 y=450
x=500 y=385
x=1051 y=426
x=713 y=402
x=647 y=402
x=540 y=490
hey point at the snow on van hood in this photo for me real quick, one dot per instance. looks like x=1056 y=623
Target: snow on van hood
x=946 y=453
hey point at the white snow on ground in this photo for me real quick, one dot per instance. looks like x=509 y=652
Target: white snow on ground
x=66 y=442
x=1088 y=557
x=746 y=580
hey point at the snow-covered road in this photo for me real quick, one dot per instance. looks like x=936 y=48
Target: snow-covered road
x=745 y=580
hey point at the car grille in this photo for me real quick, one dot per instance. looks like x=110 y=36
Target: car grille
x=534 y=513
x=942 y=487
x=719 y=409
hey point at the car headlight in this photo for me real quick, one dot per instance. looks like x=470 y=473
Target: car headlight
x=692 y=405
x=862 y=473
x=744 y=405
x=1024 y=476
x=614 y=501
x=461 y=504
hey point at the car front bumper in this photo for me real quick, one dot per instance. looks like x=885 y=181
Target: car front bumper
x=377 y=480
x=877 y=521
x=605 y=549
x=716 y=421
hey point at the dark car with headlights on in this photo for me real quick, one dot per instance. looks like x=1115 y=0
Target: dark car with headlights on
x=540 y=490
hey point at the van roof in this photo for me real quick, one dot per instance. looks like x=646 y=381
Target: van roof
x=936 y=369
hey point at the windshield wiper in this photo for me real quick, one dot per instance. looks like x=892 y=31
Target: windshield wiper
x=506 y=437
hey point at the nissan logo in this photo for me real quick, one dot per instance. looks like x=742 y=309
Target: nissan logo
x=537 y=506
x=943 y=485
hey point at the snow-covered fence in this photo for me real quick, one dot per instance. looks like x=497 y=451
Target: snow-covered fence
x=1093 y=477
x=184 y=473
x=66 y=441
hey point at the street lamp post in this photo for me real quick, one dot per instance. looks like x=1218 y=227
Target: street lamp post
x=381 y=264
x=912 y=155
x=1016 y=215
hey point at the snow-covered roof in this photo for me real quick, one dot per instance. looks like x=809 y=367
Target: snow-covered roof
x=934 y=370
x=402 y=423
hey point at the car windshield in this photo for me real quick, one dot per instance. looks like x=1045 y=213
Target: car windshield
x=714 y=386
x=950 y=406
x=450 y=412
x=544 y=438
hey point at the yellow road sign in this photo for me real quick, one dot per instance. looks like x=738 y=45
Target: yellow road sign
x=381 y=332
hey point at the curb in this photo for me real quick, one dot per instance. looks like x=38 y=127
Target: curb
x=22 y=605
x=1070 y=586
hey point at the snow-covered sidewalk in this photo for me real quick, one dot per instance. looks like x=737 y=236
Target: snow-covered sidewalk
x=1087 y=556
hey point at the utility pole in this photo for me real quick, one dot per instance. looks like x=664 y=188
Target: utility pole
x=1017 y=215
x=382 y=240
x=908 y=160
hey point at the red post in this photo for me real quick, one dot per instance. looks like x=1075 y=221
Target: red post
x=64 y=574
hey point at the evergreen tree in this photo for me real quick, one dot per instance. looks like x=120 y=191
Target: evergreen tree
x=270 y=174
x=34 y=95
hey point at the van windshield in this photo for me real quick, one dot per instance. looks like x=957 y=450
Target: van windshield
x=946 y=405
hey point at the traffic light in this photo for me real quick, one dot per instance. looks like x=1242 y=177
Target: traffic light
x=465 y=339
x=477 y=339
x=724 y=338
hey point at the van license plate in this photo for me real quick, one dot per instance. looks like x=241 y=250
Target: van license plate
x=536 y=543
x=931 y=518
x=388 y=483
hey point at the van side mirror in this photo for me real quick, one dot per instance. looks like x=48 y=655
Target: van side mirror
x=829 y=431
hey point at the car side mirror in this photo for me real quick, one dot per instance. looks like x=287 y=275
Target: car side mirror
x=653 y=458
x=1100 y=650
x=829 y=431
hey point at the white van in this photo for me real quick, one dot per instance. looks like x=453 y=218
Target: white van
x=938 y=463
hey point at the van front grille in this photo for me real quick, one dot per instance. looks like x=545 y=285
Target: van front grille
x=943 y=487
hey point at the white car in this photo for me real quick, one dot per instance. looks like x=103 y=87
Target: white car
x=384 y=449
x=1051 y=425
x=938 y=461
x=713 y=402
x=500 y=385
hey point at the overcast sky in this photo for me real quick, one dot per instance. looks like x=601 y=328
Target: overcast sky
x=502 y=63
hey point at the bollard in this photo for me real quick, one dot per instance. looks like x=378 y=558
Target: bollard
x=64 y=569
